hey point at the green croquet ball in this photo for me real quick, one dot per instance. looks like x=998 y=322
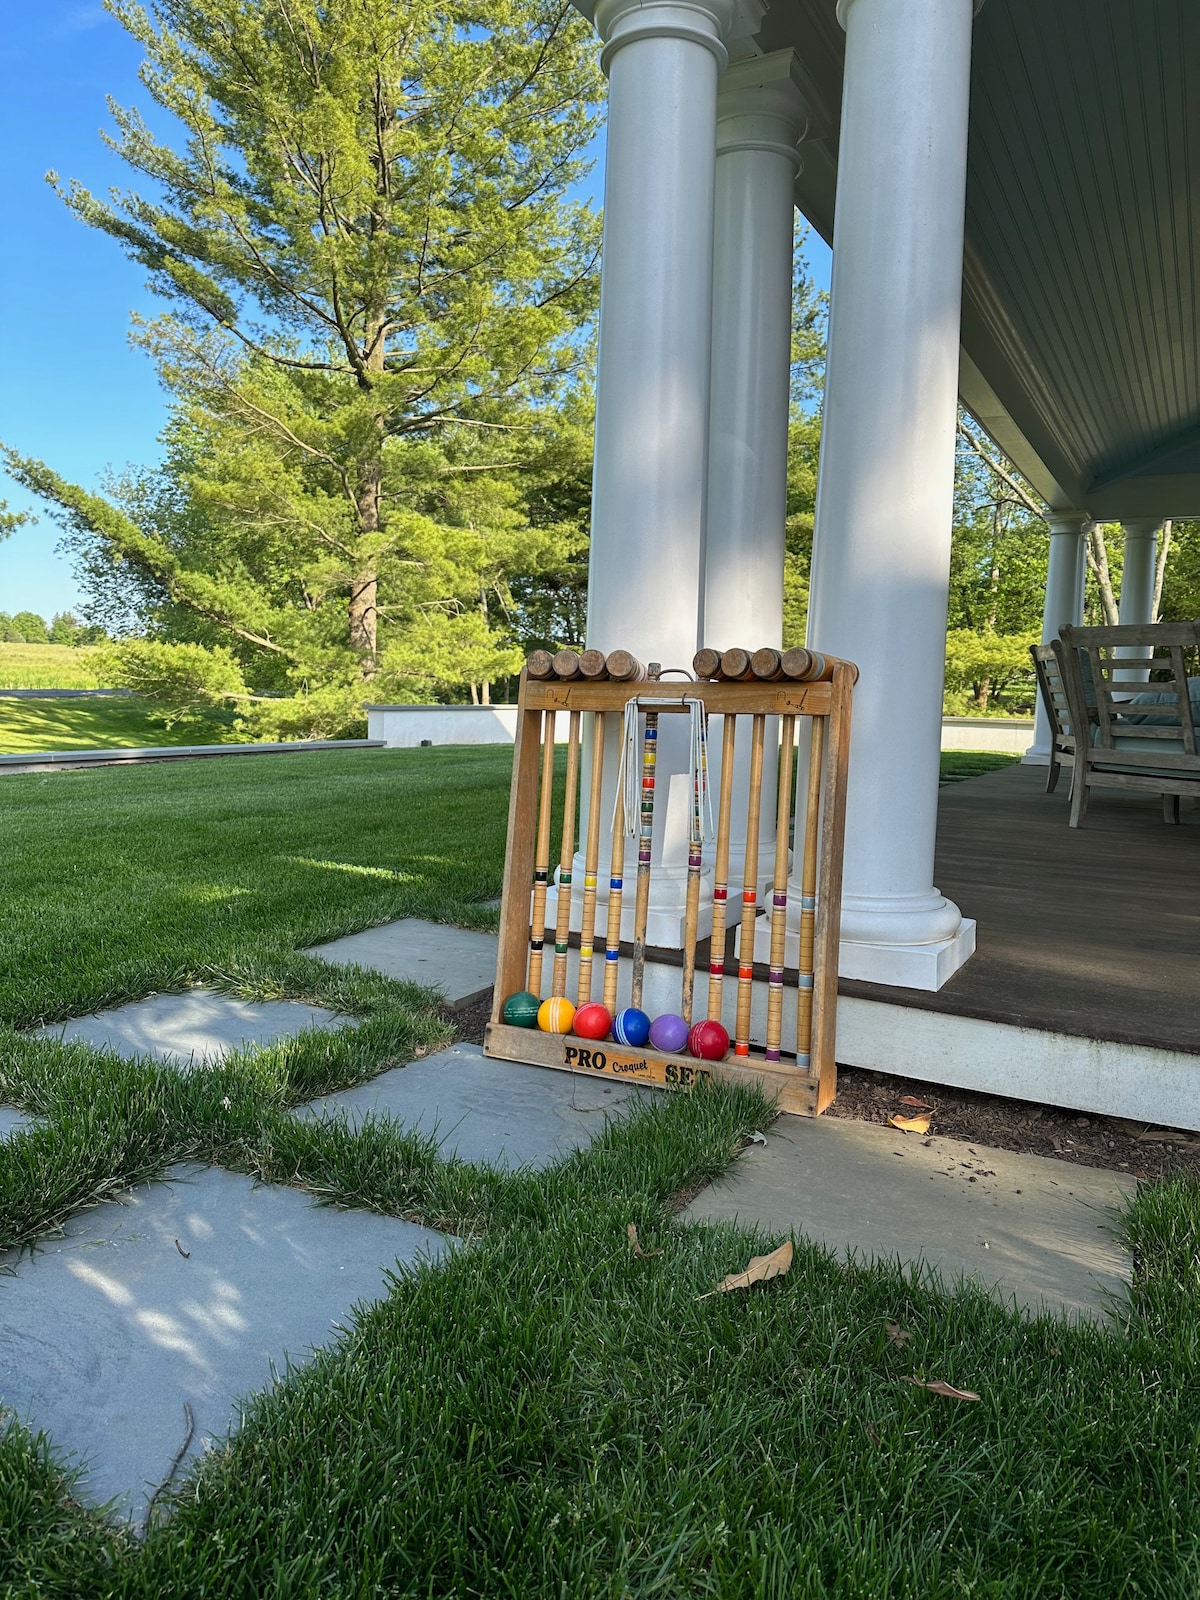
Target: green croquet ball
x=520 y=1010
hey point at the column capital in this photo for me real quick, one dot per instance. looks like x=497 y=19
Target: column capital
x=706 y=22
x=843 y=9
x=760 y=106
x=1141 y=527
x=1067 y=520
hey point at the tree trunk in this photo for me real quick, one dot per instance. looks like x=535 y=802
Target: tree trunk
x=364 y=587
x=1160 y=568
x=1097 y=555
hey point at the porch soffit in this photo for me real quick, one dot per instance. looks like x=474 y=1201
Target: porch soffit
x=1081 y=275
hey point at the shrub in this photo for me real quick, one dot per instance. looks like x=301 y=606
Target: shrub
x=185 y=681
x=333 y=712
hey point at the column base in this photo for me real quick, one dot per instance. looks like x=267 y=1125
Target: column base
x=904 y=966
x=909 y=966
x=1036 y=756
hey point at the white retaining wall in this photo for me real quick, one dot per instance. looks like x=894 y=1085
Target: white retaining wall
x=403 y=727
x=1010 y=736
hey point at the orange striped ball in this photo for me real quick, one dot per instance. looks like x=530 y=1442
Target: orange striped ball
x=555 y=1015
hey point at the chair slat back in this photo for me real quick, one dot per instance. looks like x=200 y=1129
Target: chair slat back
x=1105 y=671
x=1053 y=692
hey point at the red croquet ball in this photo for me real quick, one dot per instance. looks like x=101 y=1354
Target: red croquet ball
x=592 y=1021
x=709 y=1041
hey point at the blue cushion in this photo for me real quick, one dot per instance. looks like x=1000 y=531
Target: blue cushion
x=1159 y=698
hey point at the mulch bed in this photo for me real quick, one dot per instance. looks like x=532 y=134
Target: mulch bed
x=1138 y=1148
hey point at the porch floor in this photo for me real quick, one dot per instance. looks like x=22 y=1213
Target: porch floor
x=1091 y=931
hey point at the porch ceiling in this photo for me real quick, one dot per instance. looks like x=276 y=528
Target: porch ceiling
x=1080 y=343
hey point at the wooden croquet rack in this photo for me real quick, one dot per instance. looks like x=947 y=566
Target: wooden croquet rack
x=796 y=686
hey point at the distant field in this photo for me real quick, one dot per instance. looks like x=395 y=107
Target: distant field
x=92 y=724
x=49 y=666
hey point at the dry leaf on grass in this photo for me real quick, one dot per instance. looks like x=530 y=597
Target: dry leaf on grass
x=946 y=1389
x=898 y=1335
x=910 y=1124
x=761 y=1270
x=911 y=1100
x=635 y=1244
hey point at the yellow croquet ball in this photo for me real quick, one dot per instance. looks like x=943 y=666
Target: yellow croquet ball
x=556 y=1015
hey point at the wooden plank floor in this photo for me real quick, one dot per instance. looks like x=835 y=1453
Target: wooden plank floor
x=1093 y=931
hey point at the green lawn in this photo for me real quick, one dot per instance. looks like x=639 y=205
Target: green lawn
x=49 y=666
x=100 y=723
x=960 y=764
x=545 y=1417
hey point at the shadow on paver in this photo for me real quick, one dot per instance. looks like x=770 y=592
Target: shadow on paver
x=106 y=1332
x=188 y=1029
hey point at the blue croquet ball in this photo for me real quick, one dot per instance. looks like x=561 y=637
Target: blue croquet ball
x=631 y=1026
x=520 y=1010
x=668 y=1032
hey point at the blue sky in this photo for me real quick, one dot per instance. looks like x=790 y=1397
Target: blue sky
x=72 y=390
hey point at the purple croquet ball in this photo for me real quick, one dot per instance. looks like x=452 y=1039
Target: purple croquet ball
x=668 y=1032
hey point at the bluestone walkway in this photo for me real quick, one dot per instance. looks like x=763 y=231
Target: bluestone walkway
x=498 y=1112
x=199 y=1025
x=192 y=1291
x=1040 y=1232
x=458 y=961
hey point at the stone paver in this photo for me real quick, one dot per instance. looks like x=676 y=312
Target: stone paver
x=496 y=1111
x=200 y=1025
x=12 y=1121
x=1036 y=1230
x=108 y=1331
x=458 y=961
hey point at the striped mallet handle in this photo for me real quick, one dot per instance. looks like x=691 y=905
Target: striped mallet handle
x=745 y=990
x=566 y=861
x=541 y=859
x=716 y=960
x=691 y=914
x=641 y=911
x=783 y=819
x=808 y=900
x=616 y=889
x=591 y=863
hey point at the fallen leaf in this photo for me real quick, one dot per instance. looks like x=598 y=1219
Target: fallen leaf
x=635 y=1244
x=874 y=1437
x=898 y=1335
x=911 y=1100
x=946 y=1389
x=910 y=1124
x=419 y=1051
x=761 y=1270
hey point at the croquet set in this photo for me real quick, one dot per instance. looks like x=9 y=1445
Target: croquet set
x=548 y=1015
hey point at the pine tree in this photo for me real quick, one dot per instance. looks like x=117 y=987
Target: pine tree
x=371 y=252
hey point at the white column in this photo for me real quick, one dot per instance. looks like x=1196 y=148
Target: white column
x=663 y=60
x=760 y=120
x=1137 y=585
x=1065 y=573
x=881 y=553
